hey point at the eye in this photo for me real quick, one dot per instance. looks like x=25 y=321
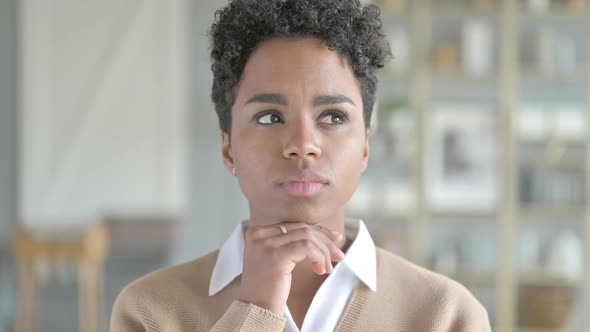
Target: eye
x=334 y=118
x=268 y=118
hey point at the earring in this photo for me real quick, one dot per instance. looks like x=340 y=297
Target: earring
x=233 y=171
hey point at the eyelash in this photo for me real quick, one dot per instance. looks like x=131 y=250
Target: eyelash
x=337 y=113
x=341 y=114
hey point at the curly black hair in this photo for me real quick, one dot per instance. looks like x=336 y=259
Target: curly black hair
x=344 y=25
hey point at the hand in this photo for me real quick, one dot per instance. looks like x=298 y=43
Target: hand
x=270 y=256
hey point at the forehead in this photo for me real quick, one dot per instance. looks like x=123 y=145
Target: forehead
x=303 y=66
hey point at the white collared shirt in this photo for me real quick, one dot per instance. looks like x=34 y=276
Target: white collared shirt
x=332 y=297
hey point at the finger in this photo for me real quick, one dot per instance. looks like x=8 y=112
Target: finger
x=332 y=235
x=261 y=232
x=333 y=253
x=305 y=234
x=336 y=254
x=320 y=242
x=300 y=250
x=294 y=235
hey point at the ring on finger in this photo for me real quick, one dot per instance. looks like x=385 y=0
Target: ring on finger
x=283 y=229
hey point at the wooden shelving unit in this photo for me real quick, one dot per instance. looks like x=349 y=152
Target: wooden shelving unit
x=422 y=86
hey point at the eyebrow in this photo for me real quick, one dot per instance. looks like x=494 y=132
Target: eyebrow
x=275 y=98
x=270 y=98
x=331 y=99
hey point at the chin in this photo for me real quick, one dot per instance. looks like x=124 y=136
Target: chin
x=306 y=213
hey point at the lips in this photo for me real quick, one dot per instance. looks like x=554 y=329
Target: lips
x=303 y=184
x=303 y=188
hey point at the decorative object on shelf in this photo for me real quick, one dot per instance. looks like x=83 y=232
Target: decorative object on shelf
x=478 y=250
x=482 y=4
x=533 y=122
x=570 y=122
x=399 y=42
x=565 y=54
x=392 y=6
x=546 y=51
x=546 y=306
x=398 y=198
x=362 y=198
x=461 y=158
x=446 y=57
x=541 y=122
x=477 y=47
x=556 y=52
x=541 y=185
x=565 y=257
x=538 y=6
x=575 y=4
x=395 y=125
x=529 y=251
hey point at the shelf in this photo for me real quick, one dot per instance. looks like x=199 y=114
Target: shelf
x=567 y=161
x=539 y=277
x=460 y=76
x=463 y=215
x=535 y=329
x=461 y=14
x=471 y=276
x=381 y=215
x=537 y=213
x=532 y=75
x=556 y=14
x=547 y=160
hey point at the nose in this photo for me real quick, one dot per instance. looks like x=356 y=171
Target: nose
x=301 y=141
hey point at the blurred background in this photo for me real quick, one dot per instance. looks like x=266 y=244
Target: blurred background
x=110 y=161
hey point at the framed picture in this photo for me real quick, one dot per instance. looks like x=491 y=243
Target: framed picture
x=461 y=158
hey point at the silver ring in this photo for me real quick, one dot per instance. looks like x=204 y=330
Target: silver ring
x=283 y=229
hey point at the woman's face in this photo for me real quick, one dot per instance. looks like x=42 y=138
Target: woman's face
x=298 y=139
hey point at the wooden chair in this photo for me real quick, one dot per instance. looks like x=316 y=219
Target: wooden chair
x=86 y=249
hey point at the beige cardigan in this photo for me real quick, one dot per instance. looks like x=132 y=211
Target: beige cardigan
x=408 y=298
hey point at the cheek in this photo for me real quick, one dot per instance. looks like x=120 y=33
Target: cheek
x=348 y=155
x=253 y=160
x=346 y=163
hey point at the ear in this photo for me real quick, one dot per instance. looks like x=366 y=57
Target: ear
x=366 y=151
x=226 y=152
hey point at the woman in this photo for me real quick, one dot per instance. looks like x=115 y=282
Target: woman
x=294 y=86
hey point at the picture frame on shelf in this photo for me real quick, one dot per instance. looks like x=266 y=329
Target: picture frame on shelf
x=461 y=156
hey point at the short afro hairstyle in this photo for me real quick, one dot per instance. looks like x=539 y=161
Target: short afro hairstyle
x=344 y=25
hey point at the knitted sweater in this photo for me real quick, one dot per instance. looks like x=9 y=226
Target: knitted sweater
x=408 y=299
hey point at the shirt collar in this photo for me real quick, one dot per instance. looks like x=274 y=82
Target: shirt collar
x=360 y=257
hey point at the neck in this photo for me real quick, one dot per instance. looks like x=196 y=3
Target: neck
x=335 y=222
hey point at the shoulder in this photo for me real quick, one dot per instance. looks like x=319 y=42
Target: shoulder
x=434 y=295
x=394 y=267
x=193 y=275
x=148 y=300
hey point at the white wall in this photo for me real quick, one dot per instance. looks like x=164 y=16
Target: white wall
x=103 y=87
x=215 y=203
x=8 y=116
x=103 y=95
x=8 y=153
